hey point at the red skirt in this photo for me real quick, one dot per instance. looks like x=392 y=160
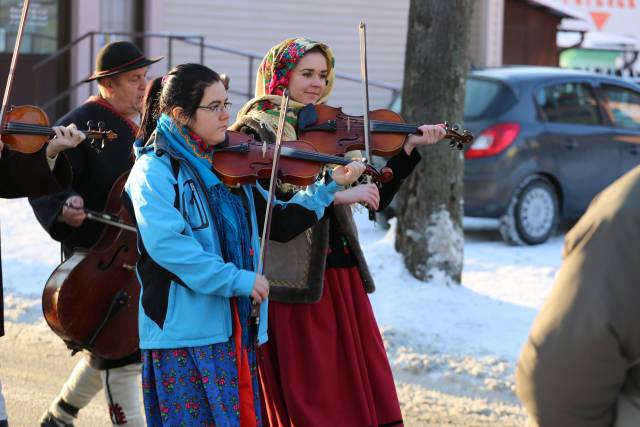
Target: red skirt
x=325 y=363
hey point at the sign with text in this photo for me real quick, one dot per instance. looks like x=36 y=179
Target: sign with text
x=610 y=16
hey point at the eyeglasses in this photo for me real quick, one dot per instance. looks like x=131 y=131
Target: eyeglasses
x=224 y=107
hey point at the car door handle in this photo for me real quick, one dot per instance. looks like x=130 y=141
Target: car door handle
x=570 y=144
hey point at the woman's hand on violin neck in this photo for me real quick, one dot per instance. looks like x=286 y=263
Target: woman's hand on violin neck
x=73 y=211
x=260 y=290
x=430 y=134
x=347 y=175
x=363 y=193
x=66 y=137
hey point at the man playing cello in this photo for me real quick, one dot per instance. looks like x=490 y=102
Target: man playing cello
x=121 y=74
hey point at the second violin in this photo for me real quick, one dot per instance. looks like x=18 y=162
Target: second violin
x=388 y=130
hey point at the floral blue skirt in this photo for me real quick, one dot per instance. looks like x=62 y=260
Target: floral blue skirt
x=202 y=386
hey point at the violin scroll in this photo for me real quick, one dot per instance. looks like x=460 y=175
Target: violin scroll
x=98 y=136
x=456 y=138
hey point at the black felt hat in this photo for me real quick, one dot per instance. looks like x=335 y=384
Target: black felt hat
x=118 y=57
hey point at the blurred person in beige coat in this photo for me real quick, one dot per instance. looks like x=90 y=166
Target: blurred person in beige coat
x=581 y=363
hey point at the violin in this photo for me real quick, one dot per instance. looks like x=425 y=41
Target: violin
x=242 y=159
x=26 y=129
x=388 y=131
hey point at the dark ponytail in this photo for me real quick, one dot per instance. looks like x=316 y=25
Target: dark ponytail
x=183 y=87
x=150 y=113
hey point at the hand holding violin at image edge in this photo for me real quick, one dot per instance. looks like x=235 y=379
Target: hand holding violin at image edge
x=430 y=134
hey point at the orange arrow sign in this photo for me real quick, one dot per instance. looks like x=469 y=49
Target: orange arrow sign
x=599 y=18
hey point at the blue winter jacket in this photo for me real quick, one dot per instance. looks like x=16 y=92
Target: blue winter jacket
x=186 y=285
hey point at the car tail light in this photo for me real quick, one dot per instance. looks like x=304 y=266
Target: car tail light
x=493 y=140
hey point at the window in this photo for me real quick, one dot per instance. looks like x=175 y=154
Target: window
x=486 y=99
x=623 y=106
x=569 y=103
x=41 y=30
x=117 y=16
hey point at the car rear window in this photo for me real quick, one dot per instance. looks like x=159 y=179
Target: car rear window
x=486 y=99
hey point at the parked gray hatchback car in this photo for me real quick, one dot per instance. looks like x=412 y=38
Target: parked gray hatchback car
x=547 y=141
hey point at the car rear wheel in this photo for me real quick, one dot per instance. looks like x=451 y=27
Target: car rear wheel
x=533 y=213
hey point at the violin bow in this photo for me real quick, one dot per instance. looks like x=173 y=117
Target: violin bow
x=362 y=30
x=5 y=101
x=14 y=60
x=266 y=228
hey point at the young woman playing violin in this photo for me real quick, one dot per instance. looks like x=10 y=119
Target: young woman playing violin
x=325 y=363
x=198 y=243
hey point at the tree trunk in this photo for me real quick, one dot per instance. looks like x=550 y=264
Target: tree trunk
x=429 y=233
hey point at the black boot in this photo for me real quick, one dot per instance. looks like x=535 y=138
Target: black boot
x=50 y=421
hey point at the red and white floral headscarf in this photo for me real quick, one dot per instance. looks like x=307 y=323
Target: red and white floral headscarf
x=273 y=77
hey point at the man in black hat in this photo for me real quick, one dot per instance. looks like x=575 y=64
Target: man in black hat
x=121 y=74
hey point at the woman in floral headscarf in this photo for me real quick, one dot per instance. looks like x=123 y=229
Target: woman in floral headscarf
x=325 y=363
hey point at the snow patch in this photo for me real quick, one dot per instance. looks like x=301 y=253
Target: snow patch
x=445 y=241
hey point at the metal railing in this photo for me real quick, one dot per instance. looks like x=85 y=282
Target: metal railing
x=252 y=59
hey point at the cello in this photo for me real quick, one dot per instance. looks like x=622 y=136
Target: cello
x=91 y=299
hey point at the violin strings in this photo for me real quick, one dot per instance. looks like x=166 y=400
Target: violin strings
x=324 y=158
x=381 y=126
x=378 y=126
x=18 y=124
x=378 y=122
x=17 y=127
x=25 y=127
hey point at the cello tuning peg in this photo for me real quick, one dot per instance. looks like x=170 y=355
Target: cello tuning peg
x=455 y=127
x=90 y=124
x=101 y=125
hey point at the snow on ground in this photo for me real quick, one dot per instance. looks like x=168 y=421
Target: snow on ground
x=452 y=348
x=460 y=341
x=28 y=257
